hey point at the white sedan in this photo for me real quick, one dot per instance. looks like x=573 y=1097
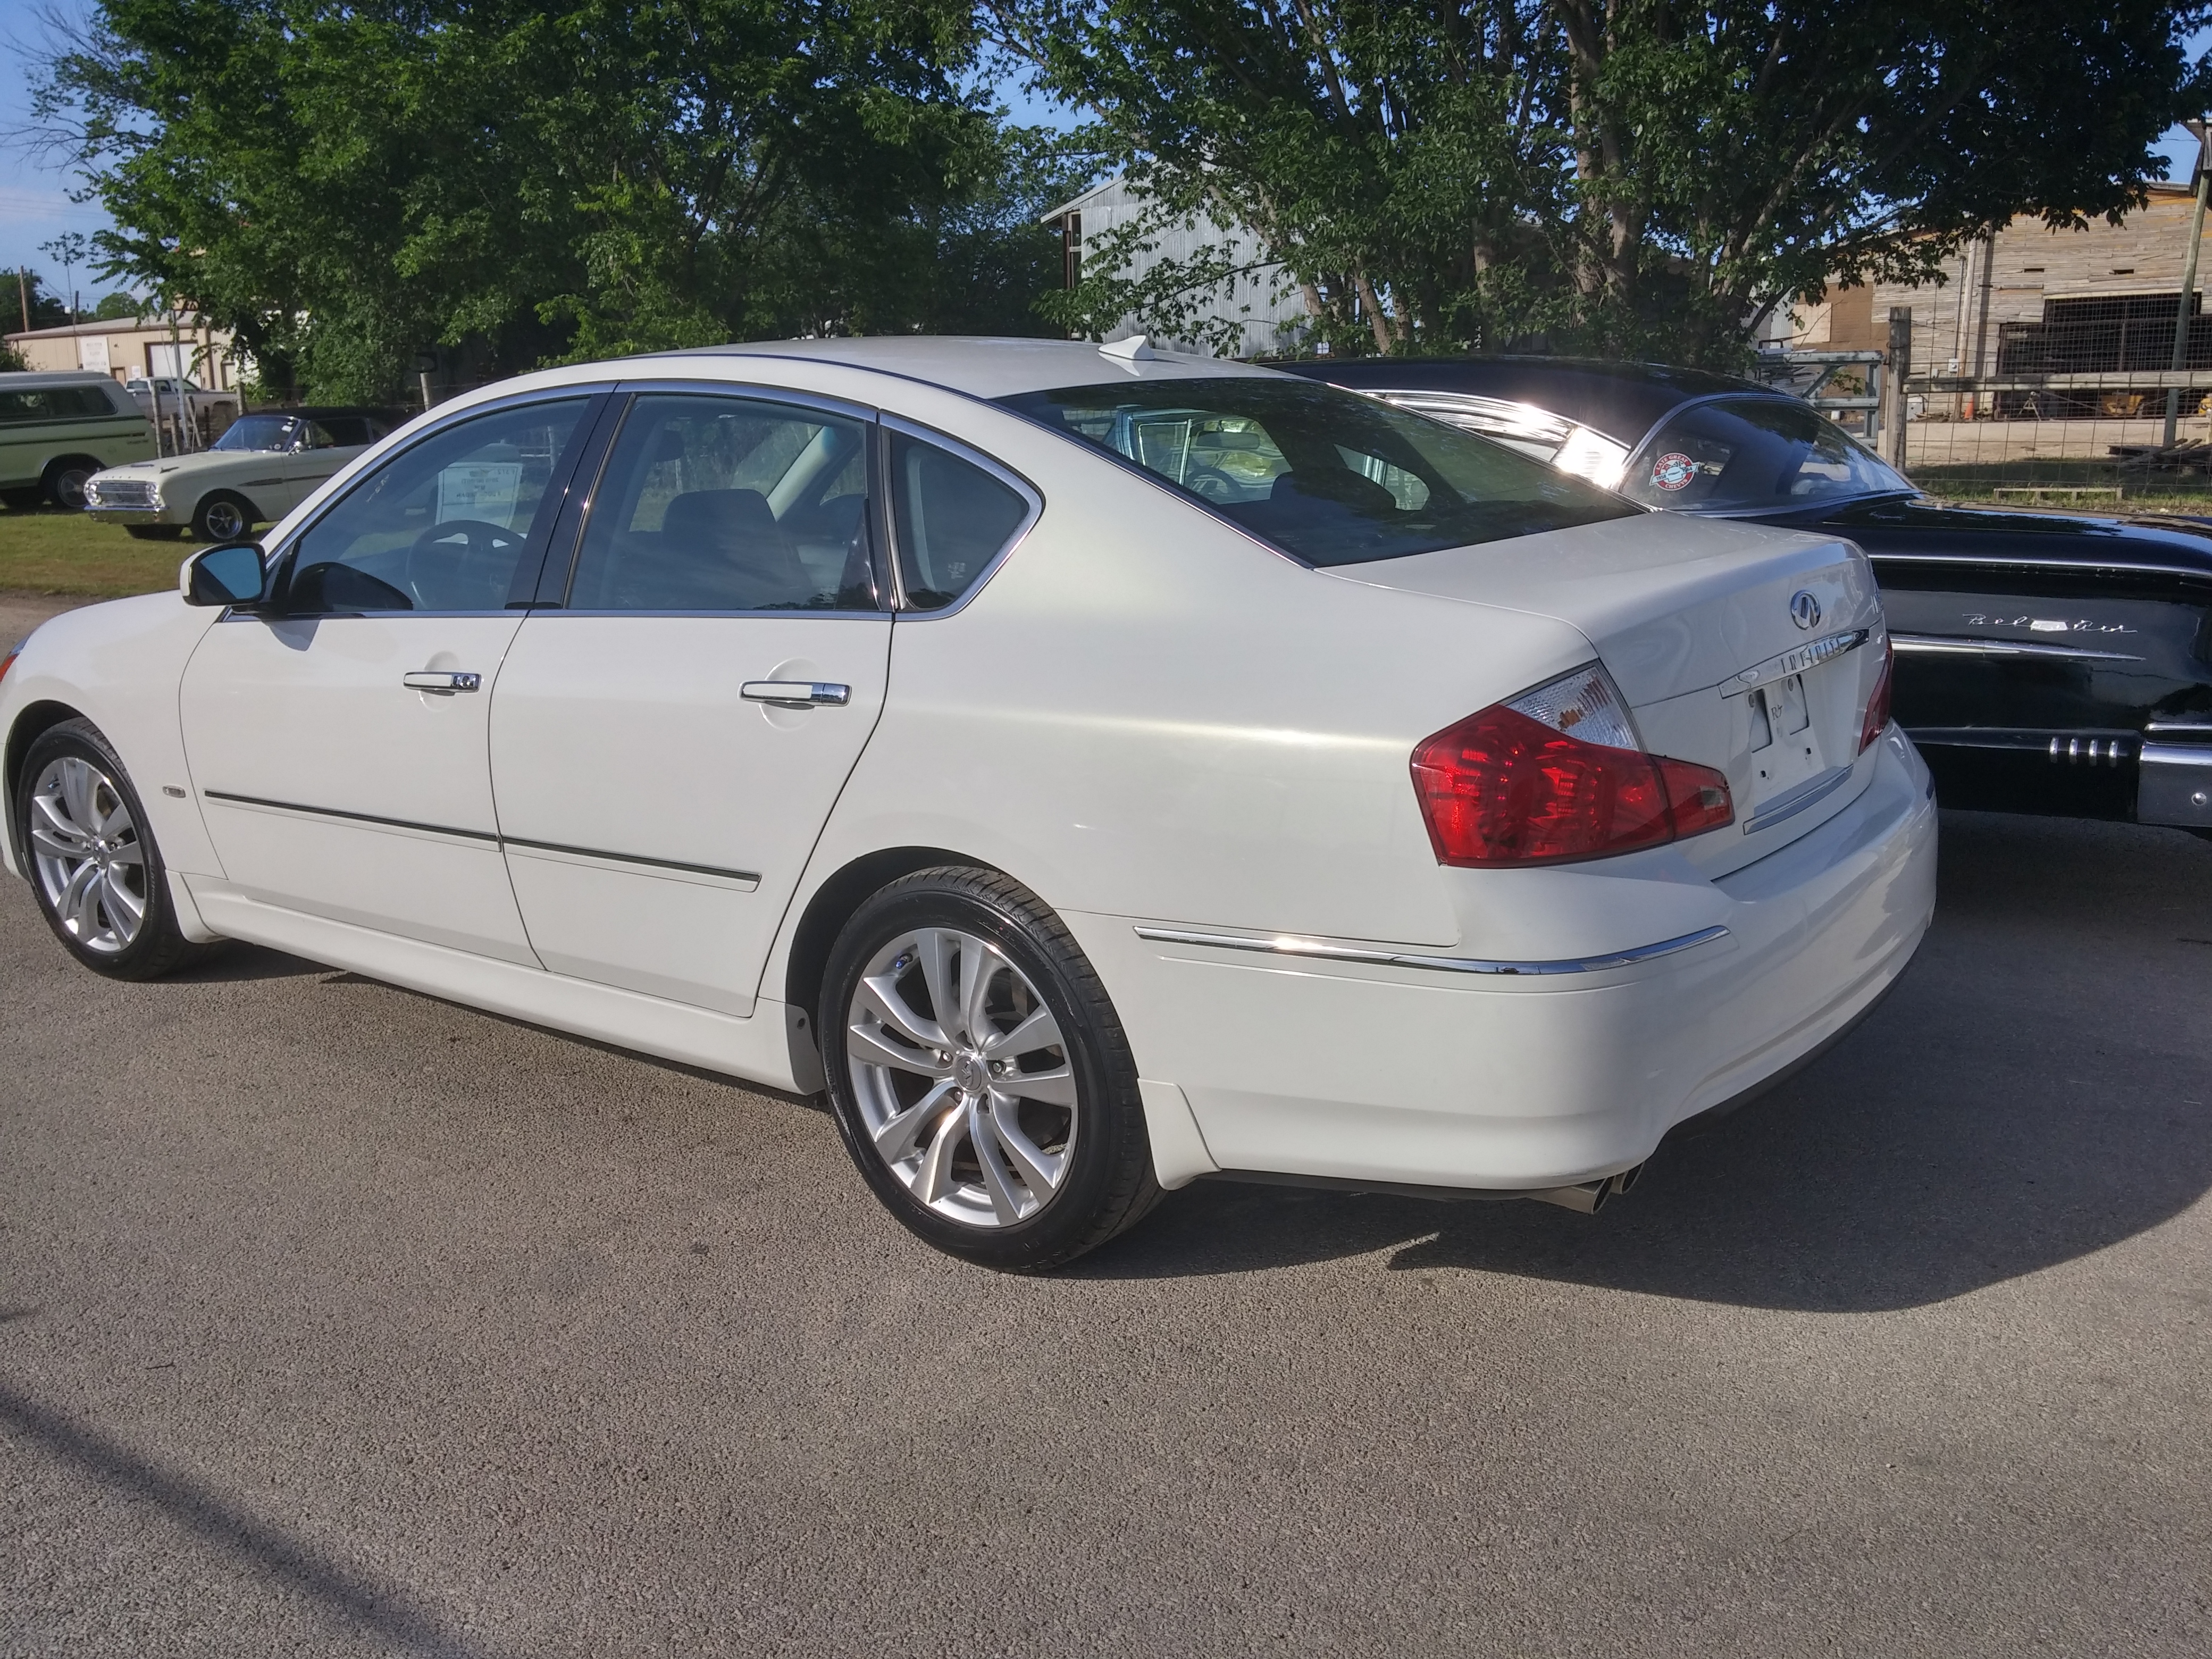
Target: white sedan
x=1098 y=769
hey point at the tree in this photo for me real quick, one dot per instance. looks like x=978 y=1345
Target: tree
x=347 y=186
x=46 y=311
x=1625 y=176
x=114 y=307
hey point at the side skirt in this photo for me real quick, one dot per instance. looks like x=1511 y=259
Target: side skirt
x=757 y=1049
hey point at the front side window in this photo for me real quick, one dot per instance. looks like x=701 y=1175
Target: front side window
x=442 y=524
x=725 y=503
x=951 y=519
x=1745 y=455
x=1327 y=475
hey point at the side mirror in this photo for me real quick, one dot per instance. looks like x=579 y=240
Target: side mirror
x=230 y=575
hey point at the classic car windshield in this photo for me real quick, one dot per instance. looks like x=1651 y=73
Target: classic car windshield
x=259 y=432
x=1748 y=454
x=1328 y=476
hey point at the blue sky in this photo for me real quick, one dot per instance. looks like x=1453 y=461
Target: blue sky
x=34 y=194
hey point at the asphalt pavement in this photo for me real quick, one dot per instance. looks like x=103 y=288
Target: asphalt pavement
x=337 y=1319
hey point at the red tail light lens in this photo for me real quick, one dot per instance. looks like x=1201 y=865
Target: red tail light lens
x=1555 y=774
x=1877 y=713
x=8 y=661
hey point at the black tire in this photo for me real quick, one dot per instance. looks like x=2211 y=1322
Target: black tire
x=1107 y=1183
x=223 y=516
x=63 y=484
x=155 y=532
x=158 y=946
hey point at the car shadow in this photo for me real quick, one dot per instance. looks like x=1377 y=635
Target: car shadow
x=2038 y=1087
x=235 y=963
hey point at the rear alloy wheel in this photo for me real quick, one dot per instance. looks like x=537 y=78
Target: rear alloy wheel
x=97 y=873
x=223 y=518
x=980 y=1078
x=65 y=482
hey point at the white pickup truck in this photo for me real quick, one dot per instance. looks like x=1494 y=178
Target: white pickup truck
x=176 y=405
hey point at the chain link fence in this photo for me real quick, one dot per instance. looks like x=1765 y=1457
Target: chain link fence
x=2076 y=413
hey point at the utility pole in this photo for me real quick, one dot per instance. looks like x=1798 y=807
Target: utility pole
x=1899 y=366
x=2198 y=129
x=23 y=293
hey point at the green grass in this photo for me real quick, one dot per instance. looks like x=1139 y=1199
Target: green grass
x=47 y=551
x=2140 y=491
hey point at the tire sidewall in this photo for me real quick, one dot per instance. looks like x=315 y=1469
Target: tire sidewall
x=56 y=488
x=156 y=934
x=215 y=504
x=1105 y=1076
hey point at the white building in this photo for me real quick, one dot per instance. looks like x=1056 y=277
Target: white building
x=1262 y=301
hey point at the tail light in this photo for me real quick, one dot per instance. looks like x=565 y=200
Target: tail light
x=1557 y=774
x=1877 y=713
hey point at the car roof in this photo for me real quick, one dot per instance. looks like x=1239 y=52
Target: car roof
x=20 y=378
x=1623 y=401
x=983 y=366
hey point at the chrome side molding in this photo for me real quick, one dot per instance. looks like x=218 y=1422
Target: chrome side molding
x=1286 y=944
x=1790 y=804
x=1949 y=645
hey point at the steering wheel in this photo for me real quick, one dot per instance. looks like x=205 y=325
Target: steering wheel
x=1211 y=484
x=462 y=564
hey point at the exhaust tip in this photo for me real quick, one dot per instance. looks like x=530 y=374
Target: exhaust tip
x=1586 y=1197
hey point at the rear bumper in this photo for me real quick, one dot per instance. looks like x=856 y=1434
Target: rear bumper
x=1378 y=1071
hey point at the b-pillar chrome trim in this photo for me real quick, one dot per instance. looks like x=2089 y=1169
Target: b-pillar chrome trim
x=1289 y=945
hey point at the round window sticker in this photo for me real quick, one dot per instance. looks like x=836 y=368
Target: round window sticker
x=1673 y=470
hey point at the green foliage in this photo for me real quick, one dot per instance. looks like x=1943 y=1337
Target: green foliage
x=117 y=307
x=11 y=361
x=349 y=186
x=1618 y=176
x=47 y=311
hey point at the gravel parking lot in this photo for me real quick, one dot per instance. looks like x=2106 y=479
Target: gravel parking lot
x=337 y=1319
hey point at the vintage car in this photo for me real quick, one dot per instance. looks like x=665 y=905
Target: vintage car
x=57 y=430
x=261 y=467
x=2057 y=663
x=1103 y=769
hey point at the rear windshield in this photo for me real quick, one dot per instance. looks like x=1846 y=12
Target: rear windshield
x=1740 y=454
x=1327 y=476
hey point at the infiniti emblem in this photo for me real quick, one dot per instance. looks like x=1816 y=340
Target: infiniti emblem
x=1804 y=609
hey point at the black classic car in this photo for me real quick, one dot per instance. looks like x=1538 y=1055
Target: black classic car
x=2057 y=663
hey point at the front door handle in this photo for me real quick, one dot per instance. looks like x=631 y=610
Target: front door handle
x=797 y=693
x=437 y=679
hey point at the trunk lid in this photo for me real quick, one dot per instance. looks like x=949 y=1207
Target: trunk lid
x=1706 y=627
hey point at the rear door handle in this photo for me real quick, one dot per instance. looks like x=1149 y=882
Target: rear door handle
x=797 y=693
x=437 y=679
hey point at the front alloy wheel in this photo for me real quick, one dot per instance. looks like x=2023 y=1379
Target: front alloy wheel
x=85 y=846
x=94 y=863
x=980 y=1077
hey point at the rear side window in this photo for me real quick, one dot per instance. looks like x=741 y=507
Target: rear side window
x=53 y=403
x=1742 y=454
x=722 y=503
x=952 y=518
x=1327 y=475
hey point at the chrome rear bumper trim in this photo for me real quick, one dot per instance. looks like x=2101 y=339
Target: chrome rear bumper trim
x=1289 y=945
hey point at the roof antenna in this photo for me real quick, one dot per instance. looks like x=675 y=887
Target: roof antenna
x=1132 y=349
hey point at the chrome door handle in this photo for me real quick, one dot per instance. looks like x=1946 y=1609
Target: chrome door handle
x=437 y=679
x=797 y=693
